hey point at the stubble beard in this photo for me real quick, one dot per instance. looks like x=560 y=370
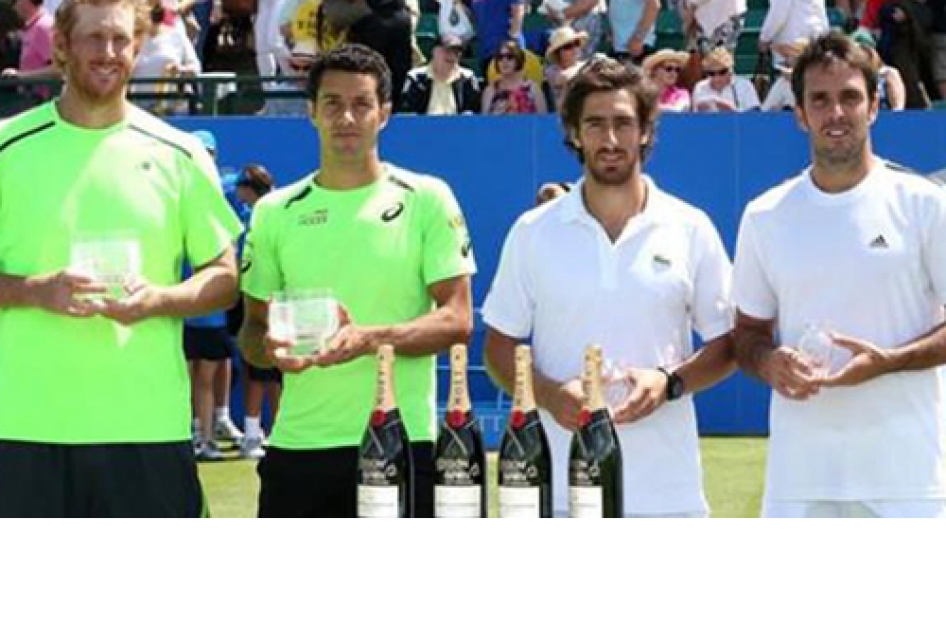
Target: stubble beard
x=841 y=159
x=610 y=176
x=88 y=94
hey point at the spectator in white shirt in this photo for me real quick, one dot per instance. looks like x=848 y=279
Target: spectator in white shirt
x=722 y=90
x=713 y=23
x=787 y=21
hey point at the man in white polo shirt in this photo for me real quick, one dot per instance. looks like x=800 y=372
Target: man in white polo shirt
x=855 y=246
x=617 y=262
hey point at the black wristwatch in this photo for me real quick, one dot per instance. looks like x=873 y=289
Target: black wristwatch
x=675 y=386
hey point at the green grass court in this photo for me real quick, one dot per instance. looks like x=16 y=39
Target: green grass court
x=732 y=468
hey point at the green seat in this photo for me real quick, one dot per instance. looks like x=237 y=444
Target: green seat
x=835 y=18
x=758 y=4
x=427 y=33
x=673 y=41
x=745 y=64
x=668 y=23
x=535 y=23
x=754 y=20
x=748 y=43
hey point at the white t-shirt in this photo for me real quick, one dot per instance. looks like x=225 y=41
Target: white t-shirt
x=167 y=47
x=780 y=96
x=740 y=93
x=869 y=263
x=787 y=21
x=562 y=282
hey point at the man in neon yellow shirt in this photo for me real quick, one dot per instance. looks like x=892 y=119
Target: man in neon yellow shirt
x=95 y=413
x=393 y=247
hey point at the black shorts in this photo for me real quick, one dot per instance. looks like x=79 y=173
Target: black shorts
x=207 y=344
x=262 y=375
x=324 y=483
x=99 y=480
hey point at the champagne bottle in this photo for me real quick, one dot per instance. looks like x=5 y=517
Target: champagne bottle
x=525 y=461
x=385 y=465
x=460 y=487
x=595 y=474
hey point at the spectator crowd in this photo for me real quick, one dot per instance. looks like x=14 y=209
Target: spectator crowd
x=499 y=56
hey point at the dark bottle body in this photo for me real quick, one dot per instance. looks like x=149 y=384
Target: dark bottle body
x=460 y=481
x=385 y=469
x=525 y=468
x=595 y=471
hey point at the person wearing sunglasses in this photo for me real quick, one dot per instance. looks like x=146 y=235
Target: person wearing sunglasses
x=511 y=92
x=563 y=60
x=663 y=68
x=722 y=90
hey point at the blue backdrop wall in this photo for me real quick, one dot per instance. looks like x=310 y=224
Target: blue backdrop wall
x=717 y=162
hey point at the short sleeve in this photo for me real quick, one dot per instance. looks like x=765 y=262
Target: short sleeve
x=510 y=305
x=711 y=309
x=750 y=99
x=260 y=273
x=448 y=250
x=934 y=254
x=752 y=292
x=209 y=224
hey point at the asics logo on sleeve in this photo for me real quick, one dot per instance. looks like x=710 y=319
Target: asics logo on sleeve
x=392 y=213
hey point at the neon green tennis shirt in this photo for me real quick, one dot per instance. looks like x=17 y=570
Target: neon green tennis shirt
x=70 y=380
x=378 y=248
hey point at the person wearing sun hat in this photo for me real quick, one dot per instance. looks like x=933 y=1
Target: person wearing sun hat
x=563 y=60
x=664 y=68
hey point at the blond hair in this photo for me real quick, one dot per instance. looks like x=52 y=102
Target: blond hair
x=67 y=16
x=718 y=57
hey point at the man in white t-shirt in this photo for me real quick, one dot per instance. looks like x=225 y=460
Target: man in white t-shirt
x=854 y=247
x=620 y=263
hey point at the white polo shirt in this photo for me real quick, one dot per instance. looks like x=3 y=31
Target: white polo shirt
x=562 y=282
x=869 y=263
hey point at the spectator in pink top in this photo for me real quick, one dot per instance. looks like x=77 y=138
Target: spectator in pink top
x=664 y=68
x=36 y=52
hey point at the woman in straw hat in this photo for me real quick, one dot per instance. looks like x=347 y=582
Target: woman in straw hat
x=664 y=68
x=563 y=60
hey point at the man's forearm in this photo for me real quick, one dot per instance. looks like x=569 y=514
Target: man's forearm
x=211 y=288
x=252 y=343
x=926 y=352
x=752 y=348
x=648 y=18
x=428 y=334
x=713 y=363
x=500 y=359
x=14 y=291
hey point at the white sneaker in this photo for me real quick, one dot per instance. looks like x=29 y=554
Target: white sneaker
x=208 y=451
x=252 y=448
x=226 y=430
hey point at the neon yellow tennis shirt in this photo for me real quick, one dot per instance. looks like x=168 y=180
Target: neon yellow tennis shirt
x=79 y=381
x=378 y=248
